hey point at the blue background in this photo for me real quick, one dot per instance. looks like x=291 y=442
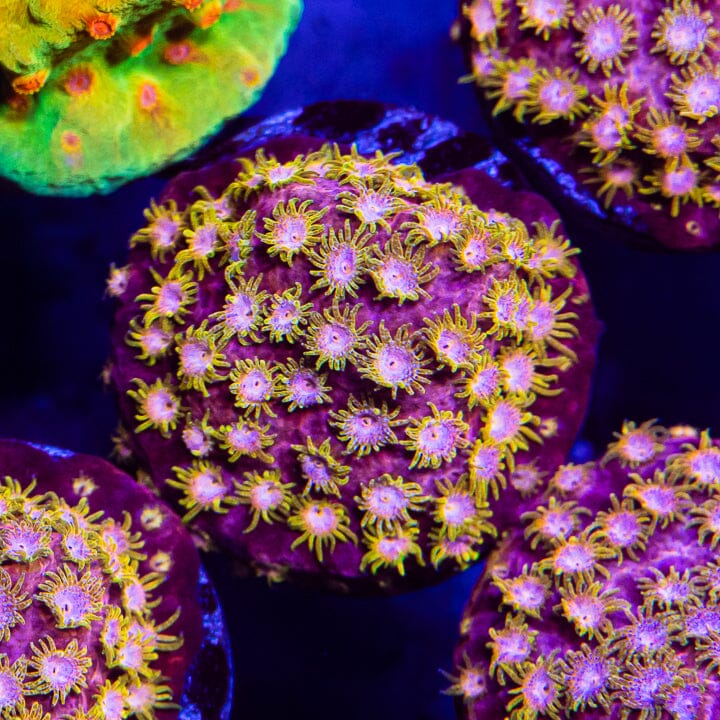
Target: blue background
x=301 y=654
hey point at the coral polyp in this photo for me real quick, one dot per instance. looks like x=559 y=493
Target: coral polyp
x=329 y=367
x=96 y=95
x=615 y=105
x=625 y=626
x=100 y=590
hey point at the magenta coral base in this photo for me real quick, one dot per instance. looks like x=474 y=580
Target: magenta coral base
x=444 y=153
x=200 y=672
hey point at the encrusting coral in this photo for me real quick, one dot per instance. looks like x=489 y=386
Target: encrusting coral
x=321 y=359
x=617 y=100
x=96 y=95
x=101 y=617
x=603 y=601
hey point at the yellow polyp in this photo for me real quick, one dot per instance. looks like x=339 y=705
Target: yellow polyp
x=319 y=467
x=387 y=502
x=321 y=524
x=158 y=406
x=57 y=671
x=391 y=548
x=292 y=229
x=435 y=438
x=267 y=497
x=607 y=38
x=364 y=426
x=679 y=23
x=526 y=592
x=544 y=16
x=455 y=341
x=203 y=488
x=636 y=444
x=334 y=337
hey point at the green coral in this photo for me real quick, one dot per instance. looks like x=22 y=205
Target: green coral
x=97 y=97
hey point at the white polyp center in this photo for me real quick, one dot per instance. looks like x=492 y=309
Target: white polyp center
x=623 y=529
x=386 y=502
x=160 y=406
x=335 y=341
x=154 y=340
x=604 y=39
x=503 y=422
x=135 y=596
x=519 y=372
x=72 y=604
x=680 y=181
x=474 y=252
x=304 y=388
x=59 y=671
x=557 y=96
x=195 y=358
x=702 y=95
x=512 y=647
x=539 y=690
x=485 y=382
x=395 y=365
x=705 y=466
x=440 y=223
x=255 y=387
x=290 y=233
x=574 y=559
x=367 y=428
x=320 y=520
x=436 y=439
x=659 y=500
x=170 y=298
x=163 y=232
x=457 y=509
x=10 y=690
x=527 y=593
x=207 y=488
x=341 y=266
x=452 y=346
x=202 y=243
x=392 y=549
x=243 y=439
x=585 y=611
x=397 y=277
x=266 y=496
x=240 y=312
x=670 y=140
x=685 y=33
x=485 y=461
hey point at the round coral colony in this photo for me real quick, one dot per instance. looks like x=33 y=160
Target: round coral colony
x=93 y=98
x=604 y=602
x=322 y=358
x=105 y=613
x=615 y=103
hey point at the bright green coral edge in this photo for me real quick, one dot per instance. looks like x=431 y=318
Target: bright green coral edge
x=142 y=113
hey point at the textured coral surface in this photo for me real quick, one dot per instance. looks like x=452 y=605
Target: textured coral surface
x=618 y=100
x=605 y=603
x=102 y=615
x=325 y=360
x=95 y=97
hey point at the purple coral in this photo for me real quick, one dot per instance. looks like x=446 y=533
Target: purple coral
x=618 y=104
x=321 y=359
x=603 y=603
x=99 y=589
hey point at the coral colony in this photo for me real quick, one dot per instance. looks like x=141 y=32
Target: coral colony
x=624 y=96
x=94 y=97
x=325 y=361
x=604 y=603
x=98 y=585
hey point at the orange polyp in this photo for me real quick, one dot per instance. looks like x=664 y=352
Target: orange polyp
x=29 y=84
x=101 y=26
x=79 y=81
x=180 y=53
x=148 y=97
x=138 y=43
x=210 y=16
x=71 y=142
x=250 y=77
